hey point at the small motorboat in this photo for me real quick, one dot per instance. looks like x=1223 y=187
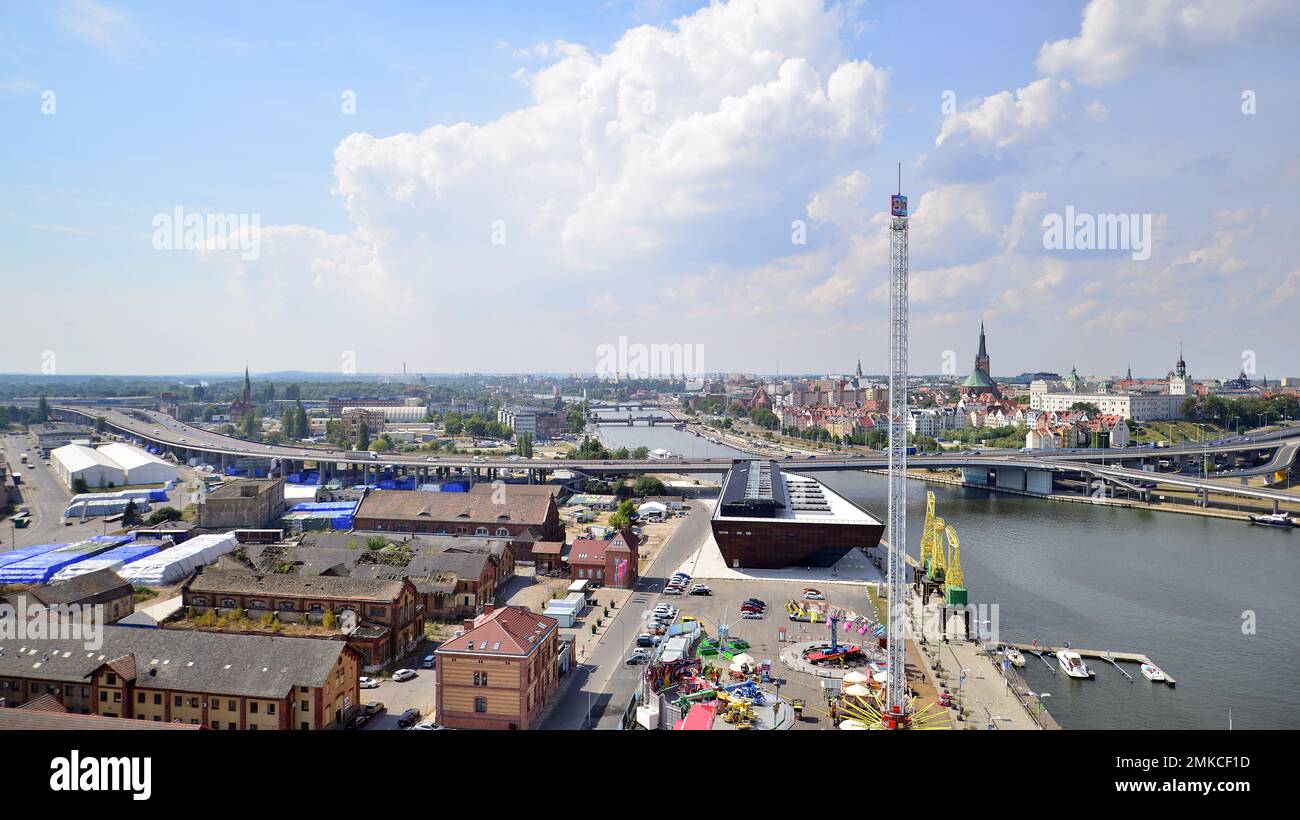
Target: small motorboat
x=1275 y=520
x=1072 y=664
x=1153 y=673
x=1012 y=654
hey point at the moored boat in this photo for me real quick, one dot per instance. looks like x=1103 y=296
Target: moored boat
x=1072 y=664
x=1153 y=673
x=1012 y=654
x=1275 y=520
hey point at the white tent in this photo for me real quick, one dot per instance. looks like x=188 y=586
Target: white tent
x=652 y=508
x=141 y=467
x=857 y=690
x=171 y=565
x=73 y=461
x=855 y=677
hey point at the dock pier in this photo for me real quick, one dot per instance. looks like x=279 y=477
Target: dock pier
x=1099 y=654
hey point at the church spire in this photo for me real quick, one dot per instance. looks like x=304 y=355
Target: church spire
x=983 y=351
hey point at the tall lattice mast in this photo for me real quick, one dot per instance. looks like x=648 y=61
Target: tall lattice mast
x=896 y=702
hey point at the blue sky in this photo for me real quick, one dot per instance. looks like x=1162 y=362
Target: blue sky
x=645 y=162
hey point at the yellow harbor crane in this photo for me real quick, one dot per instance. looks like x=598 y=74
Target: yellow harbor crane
x=954 y=583
x=927 y=533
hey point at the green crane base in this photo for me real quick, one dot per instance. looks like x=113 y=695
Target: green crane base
x=955 y=596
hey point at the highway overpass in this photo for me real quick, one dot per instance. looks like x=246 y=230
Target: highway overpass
x=1002 y=469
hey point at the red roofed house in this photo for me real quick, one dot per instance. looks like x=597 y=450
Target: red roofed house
x=500 y=672
x=610 y=562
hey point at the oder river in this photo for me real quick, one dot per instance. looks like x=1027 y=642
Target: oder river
x=1211 y=601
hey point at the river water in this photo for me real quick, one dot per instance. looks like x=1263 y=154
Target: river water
x=1210 y=601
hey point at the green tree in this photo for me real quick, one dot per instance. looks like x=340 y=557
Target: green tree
x=131 y=515
x=1085 y=407
x=163 y=514
x=42 y=410
x=301 y=428
x=101 y=424
x=641 y=453
x=363 y=436
x=249 y=425
x=79 y=485
x=765 y=418
x=648 y=485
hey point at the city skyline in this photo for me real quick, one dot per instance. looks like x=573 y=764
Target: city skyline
x=637 y=190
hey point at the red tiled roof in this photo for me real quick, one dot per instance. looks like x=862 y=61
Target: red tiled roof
x=510 y=630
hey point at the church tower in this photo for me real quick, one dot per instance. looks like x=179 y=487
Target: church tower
x=982 y=358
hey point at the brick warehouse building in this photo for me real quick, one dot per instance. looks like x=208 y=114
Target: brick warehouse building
x=387 y=614
x=500 y=672
x=524 y=518
x=200 y=678
x=611 y=562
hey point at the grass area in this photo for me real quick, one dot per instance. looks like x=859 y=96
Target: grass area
x=143 y=594
x=881 y=605
x=1176 y=432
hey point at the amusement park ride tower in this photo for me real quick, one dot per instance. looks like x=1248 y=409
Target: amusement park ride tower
x=897 y=709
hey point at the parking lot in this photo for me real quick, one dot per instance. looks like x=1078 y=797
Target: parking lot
x=418 y=693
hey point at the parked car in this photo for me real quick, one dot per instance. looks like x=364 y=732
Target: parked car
x=367 y=683
x=758 y=601
x=638 y=656
x=408 y=718
x=426 y=726
x=428 y=661
x=752 y=614
x=813 y=595
x=358 y=720
x=673 y=591
x=374 y=707
x=701 y=589
x=645 y=639
x=404 y=675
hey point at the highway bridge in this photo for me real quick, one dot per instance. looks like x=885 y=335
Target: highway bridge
x=1034 y=472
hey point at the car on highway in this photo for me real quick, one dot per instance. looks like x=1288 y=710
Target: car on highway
x=402 y=675
x=409 y=718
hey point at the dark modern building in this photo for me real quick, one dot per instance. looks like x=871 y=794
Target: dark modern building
x=767 y=519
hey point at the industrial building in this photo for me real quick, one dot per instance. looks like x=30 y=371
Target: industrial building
x=52 y=435
x=251 y=503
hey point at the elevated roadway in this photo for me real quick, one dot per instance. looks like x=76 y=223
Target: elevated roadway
x=186 y=440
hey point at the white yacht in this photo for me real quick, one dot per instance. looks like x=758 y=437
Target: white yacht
x=1072 y=664
x=1012 y=654
x=1153 y=673
x=1274 y=520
